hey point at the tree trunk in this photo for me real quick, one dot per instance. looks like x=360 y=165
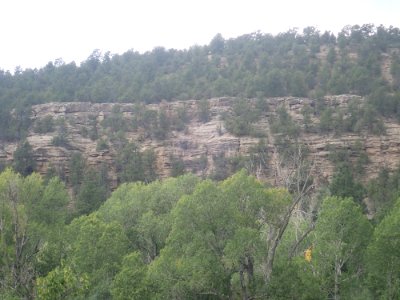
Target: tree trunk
x=243 y=283
x=336 y=290
x=270 y=262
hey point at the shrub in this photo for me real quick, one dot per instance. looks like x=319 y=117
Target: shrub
x=44 y=125
x=102 y=145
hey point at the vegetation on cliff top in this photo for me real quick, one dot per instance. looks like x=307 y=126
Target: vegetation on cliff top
x=308 y=63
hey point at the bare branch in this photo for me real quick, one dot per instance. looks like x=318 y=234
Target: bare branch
x=301 y=239
x=293 y=173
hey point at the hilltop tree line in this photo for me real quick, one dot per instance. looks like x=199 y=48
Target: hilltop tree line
x=307 y=63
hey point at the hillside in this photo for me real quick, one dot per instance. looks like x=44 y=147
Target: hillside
x=206 y=148
x=97 y=244
x=362 y=60
x=293 y=141
x=140 y=117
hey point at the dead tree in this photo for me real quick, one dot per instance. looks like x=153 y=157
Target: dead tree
x=294 y=173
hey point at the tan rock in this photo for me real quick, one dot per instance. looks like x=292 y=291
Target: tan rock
x=199 y=139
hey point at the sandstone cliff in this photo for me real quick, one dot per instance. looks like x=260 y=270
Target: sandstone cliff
x=200 y=140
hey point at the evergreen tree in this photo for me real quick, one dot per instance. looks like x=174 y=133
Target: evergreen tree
x=24 y=160
x=344 y=185
x=92 y=192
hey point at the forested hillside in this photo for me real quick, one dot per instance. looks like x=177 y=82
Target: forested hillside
x=362 y=60
x=259 y=167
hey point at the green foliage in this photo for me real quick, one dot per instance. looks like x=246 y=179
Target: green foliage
x=163 y=125
x=200 y=165
x=93 y=132
x=134 y=165
x=342 y=234
x=77 y=165
x=275 y=83
x=344 y=185
x=198 y=264
x=44 y=125
x=258 y=159
x=326 y=120
x=383 y=257
x=383 y=192
x=93 y=191
x=284 y=124
x=24 y=161
x=130 y=283
x=252 y=65
x=3 y=165
x=216 y=247
x=118 y=140
x=331 y=56
x=115 y=121
x=297 y=84
x=14 y=118
x=221 y=167
x=385 y=102
x=344 y=181
x=187 y=238
x=179 y=119
x=295 y=280
x=13 y=232
x=101 y=145
x=306 y=112
x=149 y=161
x=144 y=118
x=261 y=105
x=60 y=140
x=177 y=166
x=55 y=200
x=96 y=250
x=144 y=211
x=357 y=117
x=353 y=156
x=61 y=283
x=217 y=44
x=129 y=164
x=255 y=162
x=29 y=212
x=240 y=121
x=203 y=111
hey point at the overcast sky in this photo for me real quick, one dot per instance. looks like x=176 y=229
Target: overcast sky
x=34 y=32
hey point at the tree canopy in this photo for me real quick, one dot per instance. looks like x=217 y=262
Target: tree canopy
x=190 y=238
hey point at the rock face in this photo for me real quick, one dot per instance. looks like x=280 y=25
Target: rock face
x=197 y=141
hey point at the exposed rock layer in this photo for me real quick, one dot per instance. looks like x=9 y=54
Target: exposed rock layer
x=200 y=139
